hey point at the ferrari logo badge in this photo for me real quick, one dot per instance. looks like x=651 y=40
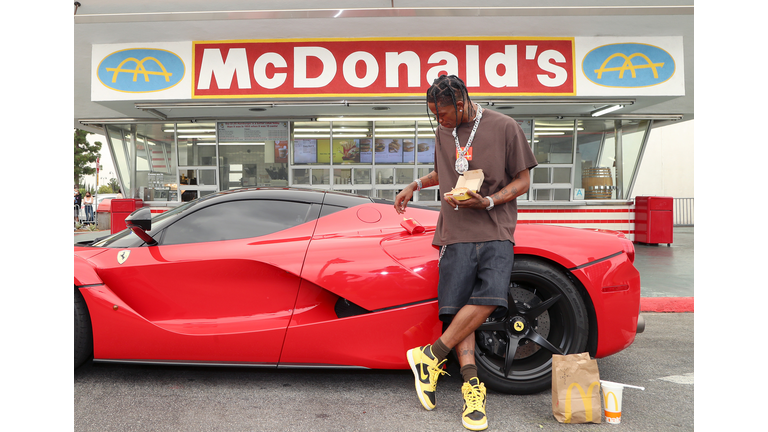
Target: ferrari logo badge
x=122 y=256
x=519 y=326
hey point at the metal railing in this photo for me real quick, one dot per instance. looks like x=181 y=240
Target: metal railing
x=683 y=212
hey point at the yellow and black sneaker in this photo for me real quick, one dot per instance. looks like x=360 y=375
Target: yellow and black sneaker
x=473 y=417
x=426 y=369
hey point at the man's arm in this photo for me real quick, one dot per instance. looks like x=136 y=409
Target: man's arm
x=405 y=195
x=518 y=186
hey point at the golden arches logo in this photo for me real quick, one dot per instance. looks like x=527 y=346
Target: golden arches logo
x=140 y=69
x=615 y=401
x=627 y=65
x=586 y=398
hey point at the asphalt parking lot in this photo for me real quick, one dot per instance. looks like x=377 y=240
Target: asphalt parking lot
x=154 y=398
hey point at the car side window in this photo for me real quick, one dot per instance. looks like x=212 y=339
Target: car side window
x=237 y=219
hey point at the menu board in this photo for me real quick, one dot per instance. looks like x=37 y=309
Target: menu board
x=230 y=132
x=425 y=150
x=387 y=150
x=304 y=151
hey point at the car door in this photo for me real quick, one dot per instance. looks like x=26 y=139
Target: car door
x=221 y=284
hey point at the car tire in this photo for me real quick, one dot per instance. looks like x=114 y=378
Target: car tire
x=546 y=315
x=83 y=331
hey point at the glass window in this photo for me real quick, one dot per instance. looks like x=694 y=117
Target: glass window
x=253 y=154
x=301 y=176
x=385 y=176
x=342 y=176
x=553 y=141
x=632 y=139
x=362 y=176
x=197 y=144
x=119 y=140
x=597 y=152
x=236 y=220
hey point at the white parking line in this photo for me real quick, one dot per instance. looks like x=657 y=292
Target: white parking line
x=679 y=379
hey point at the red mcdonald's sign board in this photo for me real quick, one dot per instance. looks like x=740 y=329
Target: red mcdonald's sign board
x=392 y=67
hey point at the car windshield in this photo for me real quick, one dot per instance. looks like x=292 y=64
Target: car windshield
x=127 y=238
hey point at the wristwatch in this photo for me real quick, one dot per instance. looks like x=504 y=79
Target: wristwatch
x=490 y=206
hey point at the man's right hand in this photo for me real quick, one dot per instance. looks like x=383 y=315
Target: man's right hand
x=402 y=199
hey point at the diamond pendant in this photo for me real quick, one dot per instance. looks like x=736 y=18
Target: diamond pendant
x=462 y=165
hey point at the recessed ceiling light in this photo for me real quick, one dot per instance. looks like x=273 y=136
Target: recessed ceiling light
x=257 y=109
x=380 y=108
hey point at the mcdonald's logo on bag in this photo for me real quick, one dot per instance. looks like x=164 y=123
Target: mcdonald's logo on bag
x=586 y=399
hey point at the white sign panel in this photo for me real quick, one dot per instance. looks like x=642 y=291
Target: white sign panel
x=232 y=132
x=639 y=66
x=141 y=71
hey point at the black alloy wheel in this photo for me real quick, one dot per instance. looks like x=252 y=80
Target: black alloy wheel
x=546 y=315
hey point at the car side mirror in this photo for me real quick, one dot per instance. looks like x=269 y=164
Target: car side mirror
x=140 y=221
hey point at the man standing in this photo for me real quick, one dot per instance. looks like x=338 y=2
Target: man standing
x=476 y=235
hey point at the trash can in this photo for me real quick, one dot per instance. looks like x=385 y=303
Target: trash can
x=121 y=208
x=104 y=214
x=654 y=219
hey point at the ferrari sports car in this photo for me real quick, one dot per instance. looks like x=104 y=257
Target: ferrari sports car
x=288 y=278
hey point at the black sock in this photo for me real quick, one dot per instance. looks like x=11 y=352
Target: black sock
x=468 y=372
x=439 y=350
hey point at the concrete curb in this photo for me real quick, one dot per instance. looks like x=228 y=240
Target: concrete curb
x=666 y=304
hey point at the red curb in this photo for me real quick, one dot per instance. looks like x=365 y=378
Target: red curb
x=666 y=304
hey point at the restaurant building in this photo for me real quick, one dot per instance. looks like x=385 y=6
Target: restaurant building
x=196 y=97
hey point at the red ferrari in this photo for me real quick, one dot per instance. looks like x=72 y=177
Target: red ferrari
x=285 y=278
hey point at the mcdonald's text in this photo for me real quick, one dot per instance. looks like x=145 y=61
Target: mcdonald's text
x=391 y=67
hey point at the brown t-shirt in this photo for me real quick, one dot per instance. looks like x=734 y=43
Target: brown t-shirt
x=501 y=150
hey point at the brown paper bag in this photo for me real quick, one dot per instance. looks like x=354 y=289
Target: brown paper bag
x=575 y=389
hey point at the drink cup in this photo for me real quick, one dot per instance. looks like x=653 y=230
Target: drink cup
x=612 y=399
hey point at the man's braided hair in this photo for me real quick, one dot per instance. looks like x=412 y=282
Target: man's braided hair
x=447 y=90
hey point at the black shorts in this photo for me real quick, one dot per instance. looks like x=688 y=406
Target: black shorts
x=474 y=274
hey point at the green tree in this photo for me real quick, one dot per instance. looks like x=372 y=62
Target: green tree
x=85 y=154
x=113 y=184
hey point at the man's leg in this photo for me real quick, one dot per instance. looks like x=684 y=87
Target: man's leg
x=464 y=324
x=469 y=319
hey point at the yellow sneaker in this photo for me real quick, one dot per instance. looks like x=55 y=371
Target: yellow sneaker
x=473 y=417
x=426 y=370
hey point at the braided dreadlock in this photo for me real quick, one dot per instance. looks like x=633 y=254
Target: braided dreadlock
x=449 y=89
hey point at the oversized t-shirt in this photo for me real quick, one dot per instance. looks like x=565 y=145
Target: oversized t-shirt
x=501 y=150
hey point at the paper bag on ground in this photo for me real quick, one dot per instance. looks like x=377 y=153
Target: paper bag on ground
x=575 y=389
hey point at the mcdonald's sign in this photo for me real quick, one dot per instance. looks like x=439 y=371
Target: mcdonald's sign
x=396 y=67
x=586 y=398
x=141 y=70
x=628 y=65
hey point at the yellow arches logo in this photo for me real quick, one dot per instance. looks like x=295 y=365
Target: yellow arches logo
x=615 y=402
x=140 y=69
x=157 y=70
x=586 y=398
x=627 y=65
x=647 y=65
